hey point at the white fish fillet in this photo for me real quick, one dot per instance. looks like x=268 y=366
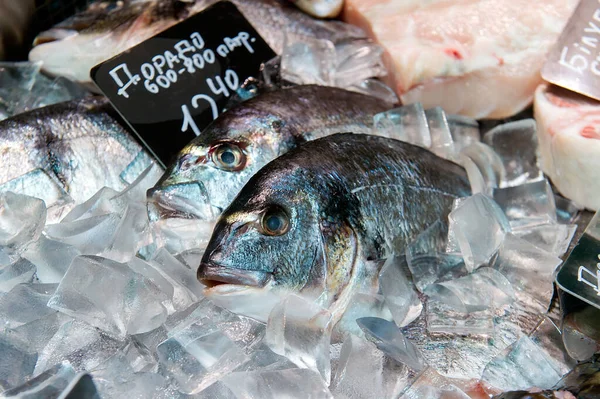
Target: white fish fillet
x=478 y=58
x=569 y=142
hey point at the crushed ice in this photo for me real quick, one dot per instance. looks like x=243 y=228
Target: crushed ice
x=106 y=293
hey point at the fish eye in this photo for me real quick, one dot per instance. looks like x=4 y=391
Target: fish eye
x=275 y=222
x=228 y=157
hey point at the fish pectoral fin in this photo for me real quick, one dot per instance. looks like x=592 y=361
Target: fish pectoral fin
x=340 y=250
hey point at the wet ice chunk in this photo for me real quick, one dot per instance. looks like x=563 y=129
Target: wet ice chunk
x=441 y=138
x=16 y=363
x=96 y=205
x=90 y=235
x=479 y=226
x=489 y=164
x=136 y=191
x=199 y=355
x=516 y=143
x=138 y=167
x=16 y=80
x=522 y=366
x=39 y=331
x=85 y=347
x=364 y=371
x=390 y=340
x=187 y=289
x=309 y=62
x=25 y=303
x=476 y=179
x=299 y=330
x=82 y=386
x=375 y=88
x=16 y=273
x=278 y=384
x=553 y=238
x=483 y=289
x=465 y=131
x=399 y=293
x=46 y=91
x=110 y=296
x=362 y=304
x=407 y=123
x=51 y=258
x=130 y=235
x=529 y=269
x=566 y=210
x=443 y=319
x=431 y=385
x=529 y=204
x=49 y=384
x=358 y=60
x=22 y=219
x=547 y=336
x=177 y=235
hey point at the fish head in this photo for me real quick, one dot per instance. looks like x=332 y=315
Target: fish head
x=278 y=234
x=212 y=168
x=101 y=31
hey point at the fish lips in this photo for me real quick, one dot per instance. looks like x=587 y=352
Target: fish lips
x=166 y=205
x=213 y=275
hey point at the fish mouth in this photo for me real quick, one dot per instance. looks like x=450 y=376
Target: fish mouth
x=53 y=35
x=213 y=275
x=169 y=205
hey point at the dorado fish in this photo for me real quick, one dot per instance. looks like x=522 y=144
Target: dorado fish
x=213 y=167
x=108 y=28
x=313 y=219
x=320 y=8
x=78 y=146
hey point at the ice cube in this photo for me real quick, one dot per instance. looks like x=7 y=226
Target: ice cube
x=289 y=383
x=191 y=257
x=199 y=355
x=187 y=288
x=151 y=273
x=431 y=385
x=177 y=235
x=38 y=332
x=16 y=273
x=483 y=289
x=441 y=138
x=516 y=143
x=553 y=238
x=16 y=80
x=529 y=269
x=136 y=191
x=364 y=371
x=16 y=363
x=139 y=358
x=22 y=219
x=566 y=210
x=151 y=339
x=300 y=331
x=465 y=131
x=523 y=365
x=476 y=180
x=46 y=91
x=110 y=296
x=358 y=60
x=263 y=358
x=527 y=205
x=489 y=163
x=362 y=304
x=138 y=167
x=255 y=303
x=479 y=227
x=38 y=184
x=390 y=340
x=407 y=123
x=399 y=293
x=90 y=235
x=49 y=384
x=442 y=319
x=375 y=88
x=25 y=303
x=309 y=62
x=98 y=204
x=82 y=387
x=547 y=336
x=83 y=346
x=131 y=234
x=51 y=258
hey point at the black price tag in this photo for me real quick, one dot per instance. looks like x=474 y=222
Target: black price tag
x=580 y=274
x=171 y=86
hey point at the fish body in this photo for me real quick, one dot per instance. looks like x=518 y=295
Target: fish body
x=477 y=58
x=79 y=144
x=312 y=219
x=108 y=28
x=201 y=182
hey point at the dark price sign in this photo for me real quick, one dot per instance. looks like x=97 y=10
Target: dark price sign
x=171 y=86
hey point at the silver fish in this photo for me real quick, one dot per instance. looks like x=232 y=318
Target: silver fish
x=311 y=220
x=213 y=167
x=320 y=8
x=108 y=28
x=79 y=146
